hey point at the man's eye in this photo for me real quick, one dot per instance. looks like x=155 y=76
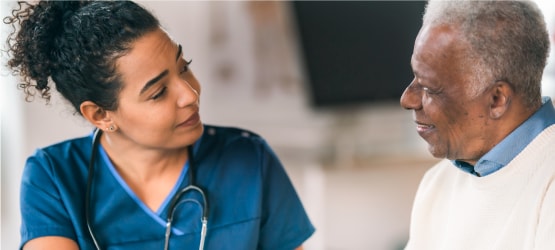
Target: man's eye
x=429 y=91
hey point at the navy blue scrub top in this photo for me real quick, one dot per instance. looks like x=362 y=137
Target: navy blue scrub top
x=252 y=203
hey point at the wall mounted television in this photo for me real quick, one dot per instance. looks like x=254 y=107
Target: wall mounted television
x=356 y=52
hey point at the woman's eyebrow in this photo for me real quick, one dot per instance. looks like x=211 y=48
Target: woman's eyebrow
x=178 y=52
x=153 y=81
x=161 y=75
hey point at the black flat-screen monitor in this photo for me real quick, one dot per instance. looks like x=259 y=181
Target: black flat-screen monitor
x=356 y=52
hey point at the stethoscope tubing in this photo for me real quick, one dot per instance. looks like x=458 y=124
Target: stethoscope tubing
x=90 y=179
x=173 y=203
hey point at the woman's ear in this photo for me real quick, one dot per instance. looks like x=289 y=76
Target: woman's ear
x=501 y=94
x=97 y=116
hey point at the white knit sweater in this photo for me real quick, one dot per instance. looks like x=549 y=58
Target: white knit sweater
x=513 y=208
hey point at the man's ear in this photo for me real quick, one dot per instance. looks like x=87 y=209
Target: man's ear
x=96 y=116
x=501 y=96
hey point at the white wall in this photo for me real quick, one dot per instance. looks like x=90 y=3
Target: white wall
x=11 y=160
x=11 y=155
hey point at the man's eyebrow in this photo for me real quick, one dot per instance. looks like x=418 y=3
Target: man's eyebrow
x=415 y=73
x=153 y=81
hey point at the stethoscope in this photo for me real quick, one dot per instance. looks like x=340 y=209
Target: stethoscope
x=173 y=203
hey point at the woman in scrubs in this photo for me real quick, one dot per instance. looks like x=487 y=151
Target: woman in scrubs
x=124 y=74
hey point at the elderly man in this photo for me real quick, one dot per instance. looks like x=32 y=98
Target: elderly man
x=476 y=100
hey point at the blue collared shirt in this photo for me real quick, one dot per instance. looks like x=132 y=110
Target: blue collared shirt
x=514 y=143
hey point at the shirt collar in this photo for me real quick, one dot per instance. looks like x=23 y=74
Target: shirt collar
x=500 y=155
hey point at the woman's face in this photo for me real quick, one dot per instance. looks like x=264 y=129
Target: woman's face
x=158 y=106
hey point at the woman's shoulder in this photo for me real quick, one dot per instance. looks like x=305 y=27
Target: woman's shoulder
x=228 y=140
x=230 y=134
x=59 y=164
x=77 y=147
x=229 y=131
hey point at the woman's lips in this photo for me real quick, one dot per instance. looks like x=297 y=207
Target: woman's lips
x=192 y=121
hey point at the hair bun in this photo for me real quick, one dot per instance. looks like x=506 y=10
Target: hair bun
x=75 y=45
x=56 y=13
x=39 y=26
x=67 y=8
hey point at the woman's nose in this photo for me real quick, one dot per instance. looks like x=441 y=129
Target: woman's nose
x=187 y=94
x=412 y=97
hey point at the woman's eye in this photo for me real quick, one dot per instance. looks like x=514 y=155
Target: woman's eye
x=186 y=67
x=159 y=94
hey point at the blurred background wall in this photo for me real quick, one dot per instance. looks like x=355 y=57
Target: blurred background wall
x=356 y=167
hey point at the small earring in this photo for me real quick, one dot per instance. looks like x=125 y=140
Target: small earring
x=112 y=127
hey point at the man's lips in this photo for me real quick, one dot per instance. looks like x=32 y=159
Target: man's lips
x=423 y=127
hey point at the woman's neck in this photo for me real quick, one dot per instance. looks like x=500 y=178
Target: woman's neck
x=150 y=173
x=143 y=164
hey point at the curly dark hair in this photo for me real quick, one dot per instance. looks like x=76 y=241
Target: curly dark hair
x=75 y=44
